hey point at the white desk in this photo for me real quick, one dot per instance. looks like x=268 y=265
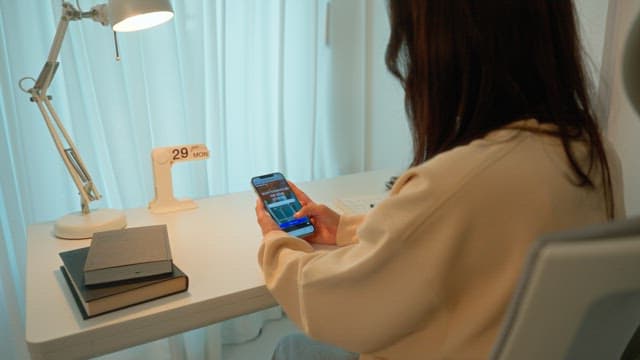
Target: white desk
x=216 y=246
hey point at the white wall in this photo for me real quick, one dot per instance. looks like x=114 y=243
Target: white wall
x=604 y=26
x=592 y=20
x=389 y=140
x=364 y=96
x=623 y=123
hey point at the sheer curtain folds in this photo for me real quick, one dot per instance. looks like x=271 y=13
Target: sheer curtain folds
x=249 y=78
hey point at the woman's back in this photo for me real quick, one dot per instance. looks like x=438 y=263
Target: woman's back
x=478 y=208
x=428 y=273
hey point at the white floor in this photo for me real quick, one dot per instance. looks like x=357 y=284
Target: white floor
x=259 y=348
x=262 y=347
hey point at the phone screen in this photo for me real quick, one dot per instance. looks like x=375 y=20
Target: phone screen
x=282 y=203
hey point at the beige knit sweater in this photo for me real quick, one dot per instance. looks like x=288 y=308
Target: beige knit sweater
x=428 y=273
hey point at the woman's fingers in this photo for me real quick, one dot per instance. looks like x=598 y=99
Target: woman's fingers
x=265 y=221
x=312 y=211
x=304 y=199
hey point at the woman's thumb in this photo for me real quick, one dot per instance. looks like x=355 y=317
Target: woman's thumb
x=308 y=210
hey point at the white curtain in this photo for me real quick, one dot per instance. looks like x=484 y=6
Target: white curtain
x=254 y=80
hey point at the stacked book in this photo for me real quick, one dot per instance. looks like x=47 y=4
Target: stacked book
x=122 y=268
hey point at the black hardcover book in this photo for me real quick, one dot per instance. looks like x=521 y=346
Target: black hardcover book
x=96 y=300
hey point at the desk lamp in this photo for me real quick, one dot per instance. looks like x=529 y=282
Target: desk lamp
x=123 y=16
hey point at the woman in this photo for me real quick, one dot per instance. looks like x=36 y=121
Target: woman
x=506 y=148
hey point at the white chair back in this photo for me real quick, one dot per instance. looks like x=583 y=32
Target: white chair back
x=578 y=297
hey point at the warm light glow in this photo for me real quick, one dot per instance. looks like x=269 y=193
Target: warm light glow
x=143 y=21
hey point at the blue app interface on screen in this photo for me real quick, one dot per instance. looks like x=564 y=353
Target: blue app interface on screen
x=282 y=204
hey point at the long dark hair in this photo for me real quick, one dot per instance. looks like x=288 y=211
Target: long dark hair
x=469 y=67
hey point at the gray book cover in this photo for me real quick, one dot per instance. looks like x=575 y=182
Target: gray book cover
x=128 y=253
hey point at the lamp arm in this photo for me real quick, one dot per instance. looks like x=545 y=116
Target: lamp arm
x=69 y=13
x=69 y=154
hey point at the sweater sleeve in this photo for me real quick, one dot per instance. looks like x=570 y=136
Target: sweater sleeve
x=347 y=227
x=366 y=295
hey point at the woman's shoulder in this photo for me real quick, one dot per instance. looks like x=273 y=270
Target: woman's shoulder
x=454 y=165
x=510 y=147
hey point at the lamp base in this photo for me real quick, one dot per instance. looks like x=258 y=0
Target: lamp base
x=166 y=206
x=77 y=225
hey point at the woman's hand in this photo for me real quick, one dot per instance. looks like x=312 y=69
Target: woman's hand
x=265 y=221
x=322 y=217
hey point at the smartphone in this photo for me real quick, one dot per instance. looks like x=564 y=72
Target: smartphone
x=282 y=203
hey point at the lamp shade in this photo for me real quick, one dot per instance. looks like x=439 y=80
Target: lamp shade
x=133 y=15
x=631 y=65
